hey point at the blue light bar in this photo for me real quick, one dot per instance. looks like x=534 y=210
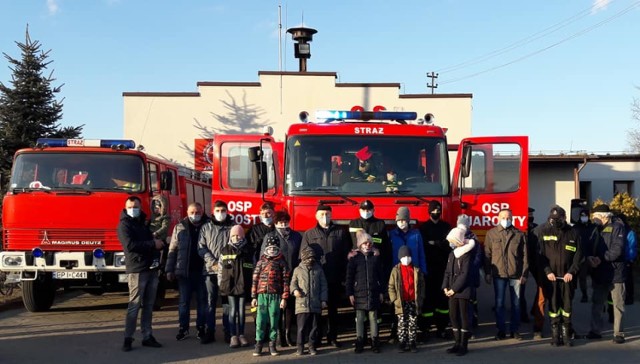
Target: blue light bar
x=101 y=143
x=365 y=115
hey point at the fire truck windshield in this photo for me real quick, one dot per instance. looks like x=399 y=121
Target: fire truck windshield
x=87 y=171
x=358 y=166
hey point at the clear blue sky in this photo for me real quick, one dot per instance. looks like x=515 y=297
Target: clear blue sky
x=575 y=95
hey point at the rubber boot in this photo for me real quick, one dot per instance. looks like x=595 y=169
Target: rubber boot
x=359 y=345
x=555 y=335
x=464 y=344
x=456 y=346
x=566 y=334
x=375 y=345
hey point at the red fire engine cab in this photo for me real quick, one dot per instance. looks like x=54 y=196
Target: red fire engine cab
x=318 y=163
x=62 y=208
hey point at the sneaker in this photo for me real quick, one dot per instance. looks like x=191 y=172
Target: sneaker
x=182 y=334
x=201 y=333
x=618 y=339
x=312 y=351
x=243 y=341
x=272 y=348
x=258 y=350
x=593 y=336
x=151 y=342
x=234 y=342
x=537 y=335
x=516 y=335
x=500 y=335
x=127 y=344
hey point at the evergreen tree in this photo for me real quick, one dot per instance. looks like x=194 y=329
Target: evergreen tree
x=29 y=109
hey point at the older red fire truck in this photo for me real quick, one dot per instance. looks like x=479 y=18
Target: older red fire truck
x=62 y=208
x=317 y=161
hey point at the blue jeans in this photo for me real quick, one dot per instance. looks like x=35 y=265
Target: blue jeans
x=211 y=282
x=236 y=315
x=186 y=286
x=500 y=286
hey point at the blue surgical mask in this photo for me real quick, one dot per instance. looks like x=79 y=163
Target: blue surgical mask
x=220 y=216
x=195 y=218
x=133 y=212
x=366 y=214
x=505 y=223
x=267 y=220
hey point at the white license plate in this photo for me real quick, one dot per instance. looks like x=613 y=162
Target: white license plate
x=70 y=275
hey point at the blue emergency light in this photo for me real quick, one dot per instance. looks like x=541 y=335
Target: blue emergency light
x=37 y=252
x=330 y=115
x=101 y=143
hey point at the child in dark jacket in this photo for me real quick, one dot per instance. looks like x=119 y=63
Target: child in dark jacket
x=457 y=287
x=309 y=286
x=236 y=267
x=407 y=293
x=365 y=290
x=159 y=226
x=269 y=292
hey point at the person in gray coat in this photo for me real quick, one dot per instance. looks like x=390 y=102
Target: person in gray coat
x=309 y=286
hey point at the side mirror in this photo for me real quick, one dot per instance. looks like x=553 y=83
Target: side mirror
x=465 y=162
x=259 y=176
x=255 y=154
x=166 y=181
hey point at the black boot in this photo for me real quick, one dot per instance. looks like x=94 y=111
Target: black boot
x=566 y=334
x=555 y=335
x=393 y=338
x=375 y=345
x=281 y=339
x=465 y=342
x=359 y=345
x=456 y=346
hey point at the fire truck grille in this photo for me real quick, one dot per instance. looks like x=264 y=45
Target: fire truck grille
x=61 y=239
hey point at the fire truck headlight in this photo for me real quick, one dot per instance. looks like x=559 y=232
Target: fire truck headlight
x=12 y=261
x=118 y=260
x=98 y=253
x=37 y=253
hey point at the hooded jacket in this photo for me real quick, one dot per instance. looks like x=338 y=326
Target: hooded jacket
x=365 y=281
x=180 y=255
x=312 y=283
x=395 y=289
x=457 y=274
x=159 y=223
x=271 y=276
x=213 y=236
x=137 y=242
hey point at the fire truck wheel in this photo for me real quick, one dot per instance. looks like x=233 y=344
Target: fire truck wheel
x=38 y=295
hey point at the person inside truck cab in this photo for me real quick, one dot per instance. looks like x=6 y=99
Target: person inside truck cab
x=365 y=171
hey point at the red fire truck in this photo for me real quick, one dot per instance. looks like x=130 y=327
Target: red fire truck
x=316 y=162
x=62 y=208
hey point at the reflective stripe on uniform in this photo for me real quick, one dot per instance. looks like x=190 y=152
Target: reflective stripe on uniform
x=570 y=248
x=376 y=240
x=560 y=312
x=355 y=229
x=427 y=314
x=442 y=312
x=247 y=265
x=550 y=237
x=229 y=256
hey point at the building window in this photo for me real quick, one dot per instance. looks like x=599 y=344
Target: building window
x=585 y=191
x=623 y=187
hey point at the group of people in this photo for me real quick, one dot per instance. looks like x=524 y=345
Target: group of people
x=428 y=275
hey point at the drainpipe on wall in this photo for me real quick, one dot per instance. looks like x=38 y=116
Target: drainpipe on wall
x=576 y=178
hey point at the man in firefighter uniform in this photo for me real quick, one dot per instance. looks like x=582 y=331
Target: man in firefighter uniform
x=560 y=259
x=436 y=248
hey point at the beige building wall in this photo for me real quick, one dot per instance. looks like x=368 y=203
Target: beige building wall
x=167 y=123
x=602 y=176
x=550 y=184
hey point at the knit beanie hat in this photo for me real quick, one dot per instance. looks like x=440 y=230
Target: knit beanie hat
x=237 y=230
x=307 y=253
x=362 y=237
x=435 y=205
x=404 y=251
x=456 y=236
x=403 y=214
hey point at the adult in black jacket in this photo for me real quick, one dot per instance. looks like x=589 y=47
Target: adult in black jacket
x=588 y=232
x=364 y=287
x=139 y=247
x=376 y=228
x=608 y=273
x=331 y=244
x=560 y=259
x=436 y=250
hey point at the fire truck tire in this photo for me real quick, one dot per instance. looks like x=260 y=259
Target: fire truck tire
x=38 y=295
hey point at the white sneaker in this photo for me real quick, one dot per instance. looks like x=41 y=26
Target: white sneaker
x=243 y=341
x=234 y=343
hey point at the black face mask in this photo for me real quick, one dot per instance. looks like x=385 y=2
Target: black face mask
x=557 y=223
x=436 y=215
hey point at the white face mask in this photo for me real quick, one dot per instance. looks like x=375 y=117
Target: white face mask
x=584 y=219
x=402 y=224
x=405 y=260
x=324 y=221
x=366 y=214
x=133 y=212
x=505 y=223
x=220 y=216
x=267 y=220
